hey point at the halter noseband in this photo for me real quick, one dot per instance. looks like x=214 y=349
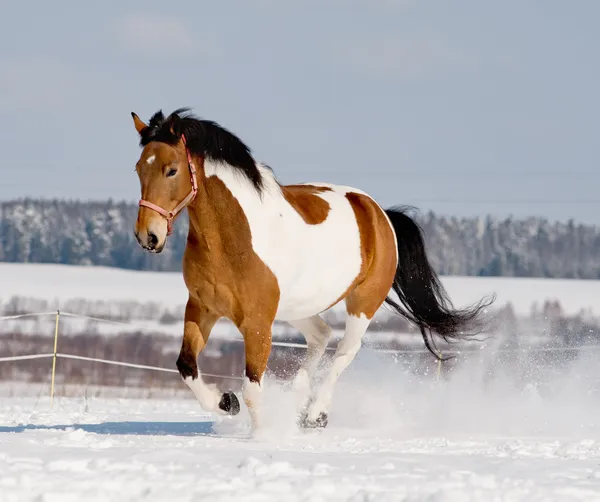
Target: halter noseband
x=170 y=215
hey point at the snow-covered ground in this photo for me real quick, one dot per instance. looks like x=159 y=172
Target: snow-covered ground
x=141 y=299
x=483 y=432
x=391 y=437
x=59 y=284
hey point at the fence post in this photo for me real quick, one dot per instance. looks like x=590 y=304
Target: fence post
x=54 y=359
x=439 y=367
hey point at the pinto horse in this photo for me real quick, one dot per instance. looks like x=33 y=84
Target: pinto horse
x=259 y=251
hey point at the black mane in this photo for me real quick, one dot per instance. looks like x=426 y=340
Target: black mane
x=203 y=137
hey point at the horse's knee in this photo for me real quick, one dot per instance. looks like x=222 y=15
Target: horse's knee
x=187 y=365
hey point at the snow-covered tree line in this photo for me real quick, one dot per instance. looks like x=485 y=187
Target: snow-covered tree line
x=81 y=233
x=101 y=233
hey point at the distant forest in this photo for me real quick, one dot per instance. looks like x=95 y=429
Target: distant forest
x=101 y=233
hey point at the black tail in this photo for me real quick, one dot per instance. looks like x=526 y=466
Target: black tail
x=423 y=299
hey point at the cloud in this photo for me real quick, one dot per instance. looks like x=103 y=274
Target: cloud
x=157 y=35
x=406 y=57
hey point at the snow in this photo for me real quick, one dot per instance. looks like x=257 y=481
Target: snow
x=497 y=429
x=574 y=295
x=59 y=284
x=391 y=436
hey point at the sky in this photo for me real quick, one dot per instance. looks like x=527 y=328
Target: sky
x=464 y=108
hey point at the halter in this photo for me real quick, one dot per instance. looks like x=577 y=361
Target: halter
x=170 y=215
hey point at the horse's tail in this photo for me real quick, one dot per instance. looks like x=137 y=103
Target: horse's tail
x=423 y=299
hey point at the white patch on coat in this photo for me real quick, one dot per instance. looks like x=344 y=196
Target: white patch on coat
x=207 y=394
x=356 y=327
x=314 y=264
x=316 y=332
x=151 y=159
x=252 y=393
x=356 y=190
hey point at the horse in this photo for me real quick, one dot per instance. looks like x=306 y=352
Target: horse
x=259 y=251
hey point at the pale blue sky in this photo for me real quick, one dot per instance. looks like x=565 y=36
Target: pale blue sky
x=456 y=106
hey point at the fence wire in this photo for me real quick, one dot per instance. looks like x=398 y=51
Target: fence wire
x=62 y=355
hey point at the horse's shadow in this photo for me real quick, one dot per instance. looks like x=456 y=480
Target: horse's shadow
x=126 y=428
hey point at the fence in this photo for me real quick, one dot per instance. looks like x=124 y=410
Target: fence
x=55 y=355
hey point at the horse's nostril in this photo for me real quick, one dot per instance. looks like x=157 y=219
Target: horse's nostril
x=152 y=240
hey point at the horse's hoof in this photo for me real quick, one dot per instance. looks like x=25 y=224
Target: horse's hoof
x=229 y=403
x=319 y=423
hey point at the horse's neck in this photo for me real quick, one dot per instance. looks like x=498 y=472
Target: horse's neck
x=223 y=196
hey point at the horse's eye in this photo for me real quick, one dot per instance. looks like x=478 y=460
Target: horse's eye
x=171 y=172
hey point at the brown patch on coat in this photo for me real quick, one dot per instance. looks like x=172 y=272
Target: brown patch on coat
x=378 y=252
x=198 y=323
x=222 y=271
x=305 y=200
x=258 y=350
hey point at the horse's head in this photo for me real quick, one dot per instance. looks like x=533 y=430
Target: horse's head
x=167 y=179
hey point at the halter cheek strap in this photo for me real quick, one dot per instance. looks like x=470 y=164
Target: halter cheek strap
x=170 y=215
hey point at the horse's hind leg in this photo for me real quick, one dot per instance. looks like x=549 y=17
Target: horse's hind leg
x=378 y=249
x=348 y=347
x=316 y=332
x=361 y=305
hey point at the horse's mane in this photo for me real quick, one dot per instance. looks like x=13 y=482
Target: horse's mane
x=205 y=138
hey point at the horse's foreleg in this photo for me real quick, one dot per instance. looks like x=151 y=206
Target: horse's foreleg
x=199 y=322
x=257 y=341
x=316 y=332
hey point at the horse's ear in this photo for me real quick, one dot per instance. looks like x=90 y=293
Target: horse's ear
x=139 y=125
x=173 y=123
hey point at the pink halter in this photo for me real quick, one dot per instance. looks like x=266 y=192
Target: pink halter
x=170 y=215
